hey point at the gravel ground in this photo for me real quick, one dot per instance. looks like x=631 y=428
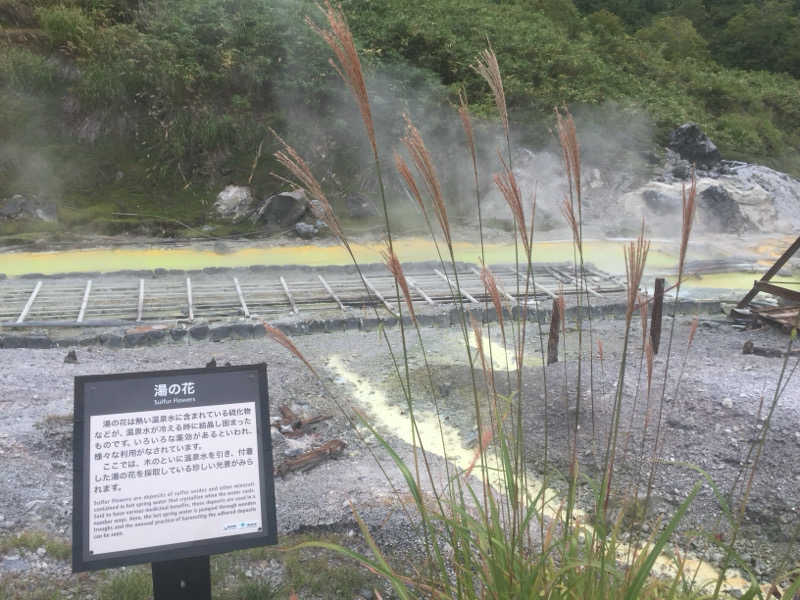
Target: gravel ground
x=710 y=422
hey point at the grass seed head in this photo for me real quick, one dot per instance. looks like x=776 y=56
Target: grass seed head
x=689 y=205
x=635 y=259
x=282 y=339
x=347 y=63
x=405 y=173
x=489 y=281
x=396 y=269
x=299 y=168
x=486 y=66
x=507 y=184
x=424 y=164
x=570 y=150
x=466 y=123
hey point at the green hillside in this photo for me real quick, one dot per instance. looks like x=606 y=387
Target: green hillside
x=149 y=107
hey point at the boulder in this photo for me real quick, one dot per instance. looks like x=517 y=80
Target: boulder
x=282 y=210
x=305 y=230
x=359 y=207
x=24 y=207
x=235 y=202
x=720 y=211
x=661 y=202
x=693 y=145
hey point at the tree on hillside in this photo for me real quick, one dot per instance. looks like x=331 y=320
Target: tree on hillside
x=676 y=38
x=764 y=36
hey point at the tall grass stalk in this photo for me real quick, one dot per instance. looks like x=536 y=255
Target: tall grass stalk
x=479 y=530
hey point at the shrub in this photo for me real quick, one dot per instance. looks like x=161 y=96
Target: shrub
x=22 y=70
x=68 y=28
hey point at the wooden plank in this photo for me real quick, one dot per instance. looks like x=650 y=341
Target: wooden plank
x=658 y=308
x=608 y=276
x=372 y=288
x=85 y=301
x=239 y=293
x=140 y=306
x=776 y=290
x=466 y=295
x=537 y=287
x=295 y=310
x=500 y=289
x=189 y=298
x=26 y=309
x=571 y=280
x=555 y=330
x=331 y=292
x=768 y=275
x=420 y=291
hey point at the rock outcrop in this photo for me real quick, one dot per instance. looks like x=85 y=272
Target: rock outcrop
x=693 y=145
x=27 y=207
x=282 y=210
x=235 y=202
x=359 y=207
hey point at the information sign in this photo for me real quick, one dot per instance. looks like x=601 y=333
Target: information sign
x=171 y=465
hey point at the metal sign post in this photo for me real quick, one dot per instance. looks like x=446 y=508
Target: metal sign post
x=184 y=579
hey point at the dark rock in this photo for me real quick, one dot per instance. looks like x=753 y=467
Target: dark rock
x=241 y=330
x=177 y=333
x=2 y=276
x=144 y=338
x=159 y=272
x=358 y=207
x=199 y=332
x=71 y=357
x=721 y=213
x=111 y=340
x=258 y=331
x=235 y=202
x=661 y=204
x=25 y=341
x=132 y=340
x=88 y=341
x=212 y=363
x=682 y=170
x=305 y=231
x=281 y=210
x=156 y=335
x=220 y=333
x=22 y=207
x=693 y=145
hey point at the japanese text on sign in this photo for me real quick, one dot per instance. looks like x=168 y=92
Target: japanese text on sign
x=172 y=475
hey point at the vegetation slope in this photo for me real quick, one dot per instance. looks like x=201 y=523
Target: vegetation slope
x=132 y=111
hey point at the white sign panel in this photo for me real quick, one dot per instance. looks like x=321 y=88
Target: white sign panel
x=170 y=476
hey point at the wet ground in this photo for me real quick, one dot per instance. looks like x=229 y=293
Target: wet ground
x=711 y=419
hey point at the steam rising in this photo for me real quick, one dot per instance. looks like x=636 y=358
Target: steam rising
x=613 y=141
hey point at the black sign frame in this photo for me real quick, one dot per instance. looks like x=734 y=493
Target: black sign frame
x=81 y=561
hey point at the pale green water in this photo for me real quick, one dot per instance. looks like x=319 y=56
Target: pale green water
x=605 y=255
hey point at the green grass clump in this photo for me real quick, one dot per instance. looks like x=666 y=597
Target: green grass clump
x=128 y=584
x=250 y=590
x=31 y=541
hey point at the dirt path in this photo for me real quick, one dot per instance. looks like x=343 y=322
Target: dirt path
x=711 y=423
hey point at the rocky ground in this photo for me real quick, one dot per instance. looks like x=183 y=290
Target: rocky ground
x=711 y=420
